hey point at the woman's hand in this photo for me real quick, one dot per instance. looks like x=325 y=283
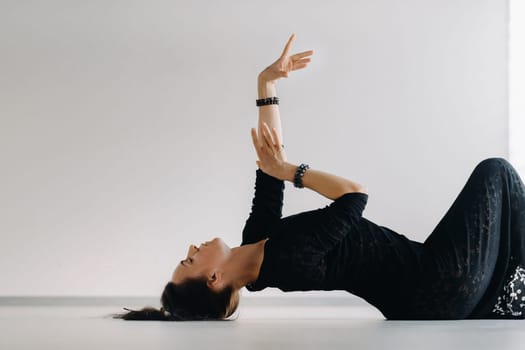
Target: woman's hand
x=285 y=64
x=272 y=157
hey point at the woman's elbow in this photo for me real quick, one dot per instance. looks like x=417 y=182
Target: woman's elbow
x=363 y=190
x=357 y=188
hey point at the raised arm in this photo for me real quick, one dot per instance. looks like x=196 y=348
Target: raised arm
x=267 y=79
x=272 y=159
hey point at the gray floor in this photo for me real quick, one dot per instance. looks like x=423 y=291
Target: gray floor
x=266 y=323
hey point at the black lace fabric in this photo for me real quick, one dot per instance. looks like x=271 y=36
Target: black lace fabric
x=473 y=261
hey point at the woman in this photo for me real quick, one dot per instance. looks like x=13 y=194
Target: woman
x=471 y=265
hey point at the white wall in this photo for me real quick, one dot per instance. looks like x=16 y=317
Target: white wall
x=517 y=84
x=124 y=131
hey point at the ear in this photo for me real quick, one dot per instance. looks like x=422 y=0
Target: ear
x=215 y=280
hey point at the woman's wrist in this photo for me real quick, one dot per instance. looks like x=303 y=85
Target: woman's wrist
x=262 y=79
x=287 y=172
x=265 y=88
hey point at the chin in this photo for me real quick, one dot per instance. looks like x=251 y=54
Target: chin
x=221 y=243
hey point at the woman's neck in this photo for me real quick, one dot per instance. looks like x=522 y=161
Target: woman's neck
x=245 y=263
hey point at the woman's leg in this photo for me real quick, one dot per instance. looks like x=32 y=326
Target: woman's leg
x=478 y=242
x=505 y=296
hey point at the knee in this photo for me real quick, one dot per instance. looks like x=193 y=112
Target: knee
x=492 y=165
x=494 y=160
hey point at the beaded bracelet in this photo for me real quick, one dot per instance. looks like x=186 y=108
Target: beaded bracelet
x=299 y=173
x=267 y=101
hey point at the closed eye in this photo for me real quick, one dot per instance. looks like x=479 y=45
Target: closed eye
x=188 y=259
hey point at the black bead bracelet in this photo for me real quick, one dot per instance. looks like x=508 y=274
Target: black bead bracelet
x=267 y=101
x=299 y=173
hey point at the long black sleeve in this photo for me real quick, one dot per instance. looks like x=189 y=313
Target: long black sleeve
x=266 y=208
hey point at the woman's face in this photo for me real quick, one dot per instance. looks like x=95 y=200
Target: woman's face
x=201 y=261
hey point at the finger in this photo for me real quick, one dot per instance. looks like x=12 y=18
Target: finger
x=288 y=45
x=276 y=138
x=256 y=142
x=271 y=136
x=302 y=54
x=267 y=136
x=299 y=66
x=276 y=143
x=262 y=144
x=303 y=60
x=254 y=137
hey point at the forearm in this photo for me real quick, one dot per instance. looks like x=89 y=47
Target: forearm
x=269 y=113
x=326 y=184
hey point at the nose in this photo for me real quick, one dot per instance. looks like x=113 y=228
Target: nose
x=192 y=249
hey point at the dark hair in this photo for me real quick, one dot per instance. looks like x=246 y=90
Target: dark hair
x=188 y=301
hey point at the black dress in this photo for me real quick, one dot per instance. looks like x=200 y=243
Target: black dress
x=472 y=265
